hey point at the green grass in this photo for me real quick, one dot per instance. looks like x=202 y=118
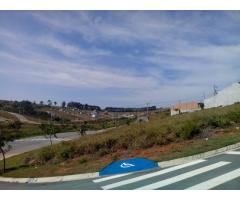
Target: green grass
x=198 y=146
x=89 y=163
x=29 y=130
x=162 y=130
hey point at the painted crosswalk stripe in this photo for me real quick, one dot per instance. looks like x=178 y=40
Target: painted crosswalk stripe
x=150 y=175
x=233 y=152
x=110 y=178
x=182 y=176
x=216 y=181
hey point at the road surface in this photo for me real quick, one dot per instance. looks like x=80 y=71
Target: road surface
x=28 y=144
x=221 y=172
x=2 y=119
x=23 y=119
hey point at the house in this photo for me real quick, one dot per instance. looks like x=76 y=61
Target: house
x=227 y=96
x=186 y=107
x=129 y=116
x=94 y=114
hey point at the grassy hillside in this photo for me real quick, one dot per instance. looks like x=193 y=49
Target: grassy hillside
x=29 y=129
x=7 y=116
x=162 y=132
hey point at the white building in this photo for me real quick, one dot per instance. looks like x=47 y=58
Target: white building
x=227 y=96
x=94 y=114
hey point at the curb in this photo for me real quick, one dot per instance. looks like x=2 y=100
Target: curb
x=207 y=154
x=76 y=177
x=51 y=179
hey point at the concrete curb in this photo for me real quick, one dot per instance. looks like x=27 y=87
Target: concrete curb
x=76 y=177
x=207 y=154
x=51 y=179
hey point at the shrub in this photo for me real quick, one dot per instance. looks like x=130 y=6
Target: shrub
x=102 y=152
x=115 y=157
x=148 y=140
x=83 y=160
x=45 y=155
x=234 y=116
x=219 y=122
x=189 y=130
x=110 y=143
x=66 y=152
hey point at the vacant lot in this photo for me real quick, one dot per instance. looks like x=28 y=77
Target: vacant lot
x=162 y=138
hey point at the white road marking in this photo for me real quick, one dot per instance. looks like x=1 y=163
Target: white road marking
x=233 y=152
x=182 y=176
x=150 y=175
x=41 y=139
x=110 y=178
x=216 y=181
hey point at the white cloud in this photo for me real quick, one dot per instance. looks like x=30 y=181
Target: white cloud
x=174 y=46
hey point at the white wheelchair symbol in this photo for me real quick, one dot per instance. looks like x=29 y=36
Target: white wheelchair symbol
x=126 y=165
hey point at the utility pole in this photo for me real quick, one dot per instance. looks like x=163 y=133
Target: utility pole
x=215 y=92
x=147 y=109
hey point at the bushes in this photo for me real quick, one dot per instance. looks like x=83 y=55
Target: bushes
x=46 y=155
x=219 y=121
x=66 y=152
x=83 y=160
x=189 y=130
x=234 y=116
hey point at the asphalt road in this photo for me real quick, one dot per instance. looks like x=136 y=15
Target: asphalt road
x=28 y=144
x=2 y=119
x=22 y=119
x=221 y=172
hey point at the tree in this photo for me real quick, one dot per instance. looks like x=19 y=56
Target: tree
x=41 y=103
x=5 y=138
x=26 y=107
x=83 y=129
x=49 y=102
x=55 y=103
x=63 y=104
x=16 y=125
x=49 y=130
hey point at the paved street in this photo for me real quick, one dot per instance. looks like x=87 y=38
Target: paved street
x=23 y=119
x=2 y=119
x=221 y=172
x=27 y=144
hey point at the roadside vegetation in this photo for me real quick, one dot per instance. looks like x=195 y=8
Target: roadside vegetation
x=167 y=137
x=39 y=113
x=29 y=130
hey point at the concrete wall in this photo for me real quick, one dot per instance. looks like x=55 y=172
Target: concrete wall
x=176 y=112
x=228 y=96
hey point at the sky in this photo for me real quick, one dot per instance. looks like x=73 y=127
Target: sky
x=117 y=58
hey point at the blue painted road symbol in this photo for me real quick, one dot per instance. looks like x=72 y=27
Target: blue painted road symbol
x=129 y=165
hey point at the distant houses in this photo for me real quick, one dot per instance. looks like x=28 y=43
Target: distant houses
x=186 y=107
x=227 y=96
x=94 y=114
x=129 y=116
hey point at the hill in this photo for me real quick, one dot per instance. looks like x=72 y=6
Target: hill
x=162 y=138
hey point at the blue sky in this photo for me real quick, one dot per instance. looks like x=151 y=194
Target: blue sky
x=117 y=58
